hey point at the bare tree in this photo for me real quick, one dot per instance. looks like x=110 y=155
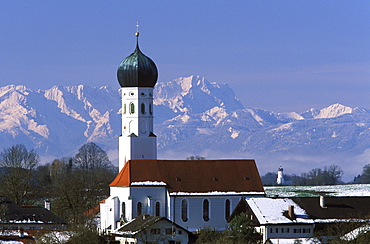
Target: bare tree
x=197 y=157
x=19 y=165
x=81 y=182
x=91 y=157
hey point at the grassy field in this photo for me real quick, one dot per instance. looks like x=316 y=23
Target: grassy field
x=314 y=191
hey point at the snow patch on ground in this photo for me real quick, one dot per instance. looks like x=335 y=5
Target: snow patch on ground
x=354 y=190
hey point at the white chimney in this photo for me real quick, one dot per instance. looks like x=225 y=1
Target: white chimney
x=322 y=202
x=47 y=205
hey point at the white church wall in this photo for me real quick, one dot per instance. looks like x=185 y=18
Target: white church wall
x=109 y=212
x=149 y=196
x=123 y=196
x=196 y=218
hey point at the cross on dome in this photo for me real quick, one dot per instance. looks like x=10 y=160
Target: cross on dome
x=137 y=70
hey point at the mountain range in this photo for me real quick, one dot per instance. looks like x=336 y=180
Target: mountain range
x=192 y=117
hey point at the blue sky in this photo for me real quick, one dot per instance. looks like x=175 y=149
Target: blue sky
x=276 y=55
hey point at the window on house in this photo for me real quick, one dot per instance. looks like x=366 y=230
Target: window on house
x=276 y=230
x=157 y=208
x=184 y=210
x=227 y=209
x=179 y=232
x=132 y=108
x=155 y=231
x=169 y=231
x=143 y=108
x=206 y=210
x=297 y=231
x=284 y=230
x=306 y=230
x=139 y=208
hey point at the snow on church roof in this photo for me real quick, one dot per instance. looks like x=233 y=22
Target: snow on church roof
x=148 y=183
x=273 y=211
x=193 y=176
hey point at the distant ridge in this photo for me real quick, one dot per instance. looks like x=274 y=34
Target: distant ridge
x=192 y=116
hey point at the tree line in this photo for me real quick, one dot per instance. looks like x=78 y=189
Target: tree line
x=328 y=175
x=73 y=185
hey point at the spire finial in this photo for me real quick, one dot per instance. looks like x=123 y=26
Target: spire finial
x=137 y=29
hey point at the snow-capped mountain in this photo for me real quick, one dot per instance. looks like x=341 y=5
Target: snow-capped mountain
x=192 y=116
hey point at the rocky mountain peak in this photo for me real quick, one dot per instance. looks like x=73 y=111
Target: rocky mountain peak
x=333 y=111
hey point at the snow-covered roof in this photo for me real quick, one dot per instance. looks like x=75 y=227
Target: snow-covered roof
x=148 y=183
x=290 y=241
x=141 y=223
x=271 y=211
x=355 y=233
x=215 y=193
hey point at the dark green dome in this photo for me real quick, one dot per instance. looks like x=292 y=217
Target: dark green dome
x=137 y=70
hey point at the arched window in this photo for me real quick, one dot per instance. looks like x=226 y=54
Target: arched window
x=157 y=209
x=132 y=108
x=124 y=108
x=123 y=215
x=206 y=210
x=184 y=210
x=227 y=209
x=150 y=109
x=143 y=108
x=139 y=208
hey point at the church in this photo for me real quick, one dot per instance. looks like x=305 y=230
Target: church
x=189 y=193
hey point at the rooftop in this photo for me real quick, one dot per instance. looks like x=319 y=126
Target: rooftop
x=193 y=176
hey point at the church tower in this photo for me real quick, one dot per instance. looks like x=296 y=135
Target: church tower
x=280 y=176
x=137 y=75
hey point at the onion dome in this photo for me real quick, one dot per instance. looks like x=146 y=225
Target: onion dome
x=137 y=70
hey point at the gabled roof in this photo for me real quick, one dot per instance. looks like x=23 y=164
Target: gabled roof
x=336 y=207
x=27 y=214
x=274 y=211
x=194 y=176
x=141 y=223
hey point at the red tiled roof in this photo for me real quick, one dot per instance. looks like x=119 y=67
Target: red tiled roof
x=93 y=212
x=194 y=175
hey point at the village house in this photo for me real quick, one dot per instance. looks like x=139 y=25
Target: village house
x=16 y=217
x=328 y=212
x=151 y=229
x=276 y=218
x=284 y=220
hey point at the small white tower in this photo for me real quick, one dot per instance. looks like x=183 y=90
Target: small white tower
x=280 y=176
x=137 y=75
